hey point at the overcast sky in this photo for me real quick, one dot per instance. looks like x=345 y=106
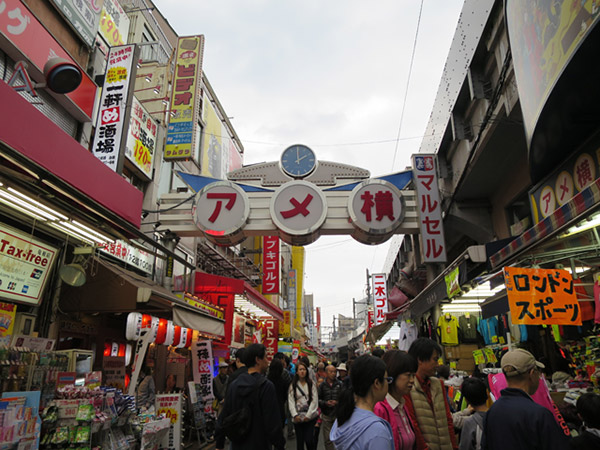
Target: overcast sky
x=331 y=74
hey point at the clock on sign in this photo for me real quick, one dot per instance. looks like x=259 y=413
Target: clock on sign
x=298 y=161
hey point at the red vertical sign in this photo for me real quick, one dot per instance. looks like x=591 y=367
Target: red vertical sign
x=370 y=317
x=270 y=335
x=270 y=281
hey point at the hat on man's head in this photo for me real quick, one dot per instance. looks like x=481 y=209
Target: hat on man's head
x=517 y=362
x=223 y=365
x=342 y=366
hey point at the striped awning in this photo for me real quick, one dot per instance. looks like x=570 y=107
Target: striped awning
x=570 y=212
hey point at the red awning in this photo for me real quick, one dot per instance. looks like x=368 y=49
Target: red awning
x=215 y=284
x=259 y=300
x=33 y=135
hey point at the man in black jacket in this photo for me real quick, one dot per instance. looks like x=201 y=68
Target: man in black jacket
x=515 y=421
x=266 y=429
x=329 y=393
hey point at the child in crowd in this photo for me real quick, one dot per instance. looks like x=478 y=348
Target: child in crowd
x=588 y=407
x=475 y=393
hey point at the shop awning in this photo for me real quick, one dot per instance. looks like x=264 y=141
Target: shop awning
x=563 y=217
x=495 y=305
x=58 y=158
x=188 y=316
x=214 y=285
x=436 y=291
x=378 y=331
x=112 y=289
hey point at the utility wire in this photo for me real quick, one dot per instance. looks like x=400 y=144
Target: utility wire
x=170 y=207
x=412 y=58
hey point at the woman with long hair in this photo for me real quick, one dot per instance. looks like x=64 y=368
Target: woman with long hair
x=401 y=367
x=303 y=403
x=281 y=386
x=357 y=427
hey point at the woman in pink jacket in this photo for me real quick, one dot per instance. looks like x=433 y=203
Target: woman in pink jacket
x=401 y=368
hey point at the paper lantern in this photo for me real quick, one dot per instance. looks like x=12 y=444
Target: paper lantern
x=154 y=329
x=161 y=333
x=183 y=340
x=114 y=349
x=170 y=333
x=121 y=351
x=176 y=335
x=188 y=341
x=107 y=348
x=146 y=320
x=128 y=352
x=134 y=326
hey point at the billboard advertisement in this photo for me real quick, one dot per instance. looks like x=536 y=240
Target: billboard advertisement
x=83 y=16
x=182 y=133
x=141 y=139
x=219 y=153
x=544 y=36
x=114 y=24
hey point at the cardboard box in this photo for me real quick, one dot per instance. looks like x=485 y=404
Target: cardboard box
x=452 y=352
x=466 y=350
x=466 y=364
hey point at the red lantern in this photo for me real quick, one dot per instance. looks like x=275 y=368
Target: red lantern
x=183 y=340
x=176 y=335
x=121 y=351
x=146 y=321
x=162 y=331
x=107 y=348
x=188 y=341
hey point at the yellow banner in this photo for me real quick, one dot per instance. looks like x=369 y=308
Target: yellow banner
x=285 y=326
x=298 y=266
x=215 y=312
x=183 y=124
x=541 y=297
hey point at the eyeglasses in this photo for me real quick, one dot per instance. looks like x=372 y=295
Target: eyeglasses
x=389 y=379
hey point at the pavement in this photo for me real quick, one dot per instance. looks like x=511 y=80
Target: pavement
x=290 y=445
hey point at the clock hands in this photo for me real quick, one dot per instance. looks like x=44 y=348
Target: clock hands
x=298 y=159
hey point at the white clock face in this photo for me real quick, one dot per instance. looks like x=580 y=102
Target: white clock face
x=298 y=161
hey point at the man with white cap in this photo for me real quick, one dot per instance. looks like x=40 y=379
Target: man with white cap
x=515 y=421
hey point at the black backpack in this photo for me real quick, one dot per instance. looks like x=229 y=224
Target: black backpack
x=237 y=425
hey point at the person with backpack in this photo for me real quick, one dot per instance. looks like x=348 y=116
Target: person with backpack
x=475 y=393
x=250 y=417
x=303 y=402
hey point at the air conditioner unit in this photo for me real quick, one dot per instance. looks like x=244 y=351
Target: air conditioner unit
x=24 y=324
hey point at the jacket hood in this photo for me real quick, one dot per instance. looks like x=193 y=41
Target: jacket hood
x=245 y=383
x=344 y=436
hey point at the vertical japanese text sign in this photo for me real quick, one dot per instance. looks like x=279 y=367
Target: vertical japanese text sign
x=185 y=99
x=202 y=359
x=380 y=297
x=270 y=280
x=270 y=335
x=541 y=297
x=433 y=244
x=115 y=106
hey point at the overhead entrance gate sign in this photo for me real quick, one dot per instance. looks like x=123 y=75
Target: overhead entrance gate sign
x=265 y=200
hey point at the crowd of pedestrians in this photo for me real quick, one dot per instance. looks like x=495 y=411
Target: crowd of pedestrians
x=391 y=400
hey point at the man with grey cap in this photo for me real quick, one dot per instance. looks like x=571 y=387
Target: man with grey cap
x=515 y=421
